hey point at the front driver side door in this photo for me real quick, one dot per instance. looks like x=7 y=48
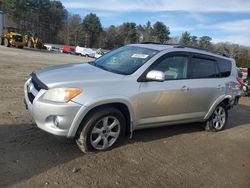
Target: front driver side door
x=161 y=102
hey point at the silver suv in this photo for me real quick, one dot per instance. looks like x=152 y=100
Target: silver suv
x=133 y=87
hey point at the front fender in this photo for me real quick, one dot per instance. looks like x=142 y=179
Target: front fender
x=101 y=101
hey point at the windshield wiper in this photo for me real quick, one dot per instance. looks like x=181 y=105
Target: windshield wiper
x=106 y=68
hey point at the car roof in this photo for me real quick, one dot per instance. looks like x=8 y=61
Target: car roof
x=158 y=47
x=178 y=47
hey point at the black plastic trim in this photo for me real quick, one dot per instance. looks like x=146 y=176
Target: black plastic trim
x=38 y=82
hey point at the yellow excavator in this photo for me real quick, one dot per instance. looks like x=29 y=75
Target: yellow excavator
x=32 y=40
x=12 y=37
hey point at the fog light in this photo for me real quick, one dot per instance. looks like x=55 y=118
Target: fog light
x=56 y=121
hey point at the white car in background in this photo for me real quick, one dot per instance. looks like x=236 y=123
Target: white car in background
x=52 y=48
x=99 y=53
x=85 y=51
x=79 y=50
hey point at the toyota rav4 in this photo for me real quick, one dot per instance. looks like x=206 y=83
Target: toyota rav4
x=133 y=87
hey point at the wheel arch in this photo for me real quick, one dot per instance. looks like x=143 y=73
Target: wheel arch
x=86 y=112
x=224 y=98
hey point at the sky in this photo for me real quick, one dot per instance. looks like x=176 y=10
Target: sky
x=223 y=20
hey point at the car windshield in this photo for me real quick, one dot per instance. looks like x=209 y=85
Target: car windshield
x=124 y=60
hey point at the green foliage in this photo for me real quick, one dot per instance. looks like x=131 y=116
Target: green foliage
x=145 y=32
x=243 y=62
x=128 y=33
x=44 y=17
x=202 y=42
x=161 y=32
x=92 y=26
x=205 y=42
x=194 y=41
x=185 y=38
x=50 y=20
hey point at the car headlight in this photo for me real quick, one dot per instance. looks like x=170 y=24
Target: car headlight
x=61 y=94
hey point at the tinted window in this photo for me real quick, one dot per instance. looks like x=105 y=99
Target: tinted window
x=174 y=67
x=224 y=67
x=203 y=68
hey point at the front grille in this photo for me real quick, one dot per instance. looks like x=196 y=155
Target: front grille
x=36 y=85
x=31 y=97
x=18 y=38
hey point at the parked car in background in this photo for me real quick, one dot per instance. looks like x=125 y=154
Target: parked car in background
x=99 y=53
x=133 y=87
x=244 y=72
x=240 y=77
x=79 y=50
x=88 y=52
x=69 y=49
x=246 y=87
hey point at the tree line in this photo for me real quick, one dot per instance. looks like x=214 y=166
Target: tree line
x=54 y=24
x=90 y=33
x=45 y=17
x=240 y=53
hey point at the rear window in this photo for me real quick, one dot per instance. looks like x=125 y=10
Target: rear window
x=203 y=68
x=225 y=67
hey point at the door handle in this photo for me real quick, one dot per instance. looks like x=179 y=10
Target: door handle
x=185 y=88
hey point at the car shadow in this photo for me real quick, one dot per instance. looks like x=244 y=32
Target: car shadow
x=238 y=116
x=26 y=151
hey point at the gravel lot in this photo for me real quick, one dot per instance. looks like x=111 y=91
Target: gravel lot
x=173 y=156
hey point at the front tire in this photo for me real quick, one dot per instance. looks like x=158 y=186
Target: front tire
x=218 y=119
x=6 y=42
x=101 y=131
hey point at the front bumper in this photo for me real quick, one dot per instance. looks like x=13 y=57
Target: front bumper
x=52 y=117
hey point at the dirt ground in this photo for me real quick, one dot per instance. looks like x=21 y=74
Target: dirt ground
x=173 y=156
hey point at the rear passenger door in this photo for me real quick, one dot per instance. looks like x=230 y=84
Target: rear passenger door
x=206 y=86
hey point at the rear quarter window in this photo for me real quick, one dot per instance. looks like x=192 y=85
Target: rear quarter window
x=203 y=68
x=225 y=67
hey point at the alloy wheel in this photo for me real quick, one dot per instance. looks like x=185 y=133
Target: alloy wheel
x=105 y=133
x=219 y=118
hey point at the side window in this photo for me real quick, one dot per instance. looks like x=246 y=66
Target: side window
x=225 y=67
x=203 y=68
x=174 y=67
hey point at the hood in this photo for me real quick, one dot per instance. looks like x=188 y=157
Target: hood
x=71 y=74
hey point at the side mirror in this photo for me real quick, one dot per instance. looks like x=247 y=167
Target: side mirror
x=155 y=75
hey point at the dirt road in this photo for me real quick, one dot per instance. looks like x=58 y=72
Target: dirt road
x=174 y=156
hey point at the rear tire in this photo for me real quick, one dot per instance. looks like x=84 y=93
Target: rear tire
x=6 y=42
x=101 y=131
x=1 y=41
x=218 y=119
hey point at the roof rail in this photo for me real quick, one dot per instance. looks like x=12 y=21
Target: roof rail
x=151 y=43
x=203 y=49
x=148 y=42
